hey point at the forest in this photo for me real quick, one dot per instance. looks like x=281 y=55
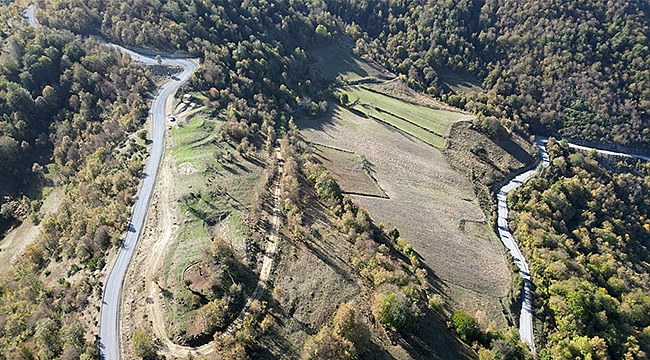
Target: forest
x=66 y=107
x=569 y=68
x=584 y=224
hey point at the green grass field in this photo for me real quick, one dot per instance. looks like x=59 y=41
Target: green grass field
x=461 y=82
x=422 y=122
x=437 y=121
x=184 y=251
x=202 y=214
x=428 y=137
x=192 y=142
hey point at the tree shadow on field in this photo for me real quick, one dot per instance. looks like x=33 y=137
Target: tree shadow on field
x=331 y=261
x=436 y=283
x=318 y=123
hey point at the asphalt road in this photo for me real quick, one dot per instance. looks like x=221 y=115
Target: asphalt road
x=28 y=14
x=109 y=334
x=526 y=318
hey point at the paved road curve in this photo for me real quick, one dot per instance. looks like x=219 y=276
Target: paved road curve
x=109 y=334
x=526 y=318
x=28 y=14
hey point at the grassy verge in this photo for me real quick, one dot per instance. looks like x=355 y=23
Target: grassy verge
x=213 y=182
x=337 y=61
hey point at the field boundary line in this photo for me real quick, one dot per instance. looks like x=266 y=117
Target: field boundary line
x=398 y=129
x=386 y=197
x=409 y=121
x=330 y=147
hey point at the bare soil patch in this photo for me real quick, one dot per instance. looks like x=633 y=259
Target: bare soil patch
x=186 y=168
x=197 y=279
x=16 y=240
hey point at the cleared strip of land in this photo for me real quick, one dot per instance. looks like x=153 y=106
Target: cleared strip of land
x=422 y=122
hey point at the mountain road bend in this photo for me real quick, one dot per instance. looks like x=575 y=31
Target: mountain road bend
x=109 y=325
x=526 y=318
x=109 y=334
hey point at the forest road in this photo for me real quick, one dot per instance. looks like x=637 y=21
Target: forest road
x=109 y=329
x=109 y=325
x=526 y=318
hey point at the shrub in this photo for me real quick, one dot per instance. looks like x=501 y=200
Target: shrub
x=344 y=99
x=143 y=345
x=327 y=345
x=465 y=325
x=142 y=134
x=395 y=310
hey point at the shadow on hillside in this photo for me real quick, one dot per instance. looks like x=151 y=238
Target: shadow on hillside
x=433 y=340
x=514 y=149
x=336 y=59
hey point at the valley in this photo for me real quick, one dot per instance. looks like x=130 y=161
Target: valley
x=323 y=180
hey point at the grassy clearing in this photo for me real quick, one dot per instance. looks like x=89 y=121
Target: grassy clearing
x=350 y=170
x=433 y=120
x=233 y=229
x=186 y=250
x=336 y=61
x=192 y=142
x=203 y=214
x=462 y=82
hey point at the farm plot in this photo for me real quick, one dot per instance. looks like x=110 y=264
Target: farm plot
x=430 y=203
x=425 y=123
x=350 y=170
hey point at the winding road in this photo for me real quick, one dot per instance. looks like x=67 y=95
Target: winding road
x=526 y=318
x=109 y=334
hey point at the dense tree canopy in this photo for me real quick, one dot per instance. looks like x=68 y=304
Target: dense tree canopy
x=67 y=103
x=574 y=68
x=577 y=69
x=584 y=225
